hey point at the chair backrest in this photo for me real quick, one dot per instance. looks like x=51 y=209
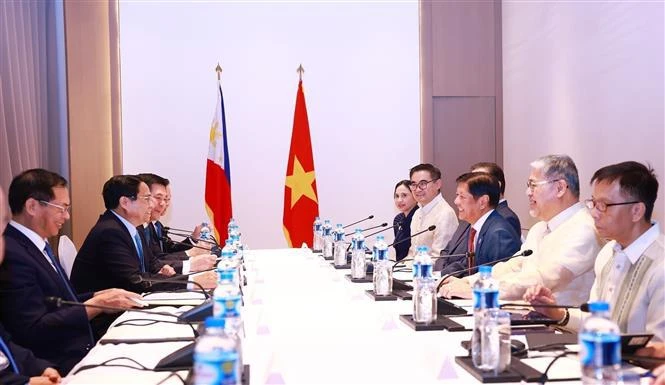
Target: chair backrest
x=66 y=253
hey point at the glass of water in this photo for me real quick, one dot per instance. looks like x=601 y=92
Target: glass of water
x=498 y=329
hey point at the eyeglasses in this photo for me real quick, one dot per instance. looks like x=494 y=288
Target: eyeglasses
x=162 y=199
x=145 y=197
x=532 y=184
x=602 y=206
x=62 y=209
x=420 y=185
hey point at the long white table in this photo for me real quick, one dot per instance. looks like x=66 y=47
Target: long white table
x=305 y=324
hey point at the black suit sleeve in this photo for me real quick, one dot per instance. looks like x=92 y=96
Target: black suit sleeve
x=502 y=242
x=29 y=365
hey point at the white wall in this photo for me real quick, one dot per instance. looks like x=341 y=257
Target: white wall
x=361 y=86
x=584 y=79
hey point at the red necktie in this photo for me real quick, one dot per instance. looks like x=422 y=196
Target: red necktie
x=471 y=248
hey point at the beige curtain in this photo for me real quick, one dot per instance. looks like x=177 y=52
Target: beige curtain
x=32 y=127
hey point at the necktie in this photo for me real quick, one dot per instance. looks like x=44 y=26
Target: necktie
x=61 y=273
x=471 y=247
x=146 y=232
x=5 y=349
x=139 y=250
x=158 y=231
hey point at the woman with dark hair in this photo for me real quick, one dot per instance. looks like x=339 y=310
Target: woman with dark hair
x=406 y=205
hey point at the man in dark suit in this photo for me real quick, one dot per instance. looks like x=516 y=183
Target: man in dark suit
x=489 y=236
x=182 y=257
x=39 y=201
x=501 y=208
x=115 y=254
x=19 y=366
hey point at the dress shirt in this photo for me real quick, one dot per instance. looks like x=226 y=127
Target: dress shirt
x=36 y=239
x=632 y=281
x=439 y=213
x=477 y=225
x=564 y=251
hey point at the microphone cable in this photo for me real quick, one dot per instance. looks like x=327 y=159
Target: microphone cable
x=109 y=363
x=150 y=321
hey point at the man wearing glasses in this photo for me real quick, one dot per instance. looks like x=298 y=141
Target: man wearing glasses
x=434 y=210
x=115 y=253
x=39 y=202
x=630 y=269
x=564 y=242
x=183 y=258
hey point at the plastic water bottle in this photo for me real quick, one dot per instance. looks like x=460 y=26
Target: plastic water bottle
x=227 y=301
x=484 y=342
x=318 y=236
x=383 y=269
x=358 y=262
x=424 y=287
x=600 y=343
x=206 y=233
x=327 y=239
x=229 y=260
x=339 y=254
x=232 y=226
x=216 y=356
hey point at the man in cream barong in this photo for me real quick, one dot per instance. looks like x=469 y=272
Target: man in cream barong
x=630 y=269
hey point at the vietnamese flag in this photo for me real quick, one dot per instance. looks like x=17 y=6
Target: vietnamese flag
x=301 y=204
x=218 y=173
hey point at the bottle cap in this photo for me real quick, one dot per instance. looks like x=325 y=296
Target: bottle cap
x=485 y=269
x=599 y=306
x=214 y=322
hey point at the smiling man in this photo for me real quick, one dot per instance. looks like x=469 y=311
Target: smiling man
x=433 y=210
x=489 y=237
x=39 y=201
x=564 y=242
x=630 y=269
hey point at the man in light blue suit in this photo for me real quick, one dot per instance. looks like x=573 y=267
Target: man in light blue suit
x=488 y=237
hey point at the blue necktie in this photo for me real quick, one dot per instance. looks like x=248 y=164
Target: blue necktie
x=8 y=354
x=65 y=281
x=146 y=232
x=158 y=231
x=61 y=272
x=139 y=249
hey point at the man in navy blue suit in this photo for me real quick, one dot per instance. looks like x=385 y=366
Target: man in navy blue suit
x=488 y=236
x=39 y=202
x=18 y=366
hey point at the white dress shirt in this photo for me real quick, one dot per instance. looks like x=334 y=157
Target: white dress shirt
x=632 y=281
x=564 y=251
x=439 y=213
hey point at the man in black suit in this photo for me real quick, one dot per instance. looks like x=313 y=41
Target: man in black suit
x=501 y=208
x=39 y=201
x=115 y=254
x=19 y=366
x=182 y=257
x=489 y=236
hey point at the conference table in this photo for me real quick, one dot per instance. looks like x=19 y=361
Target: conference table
x=304 y=323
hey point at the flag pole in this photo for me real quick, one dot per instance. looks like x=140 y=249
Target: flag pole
x=218 y=69
x=300 y=71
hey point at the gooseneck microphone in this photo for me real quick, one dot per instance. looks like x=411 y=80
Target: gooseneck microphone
x=166 y=233
x=583 y=307
x=214 y=250
x=382 y=230
x=524 y=253
x=431 y=228
x=384 y=224
x=356 y=222
x=467 y=254
x=136 y=279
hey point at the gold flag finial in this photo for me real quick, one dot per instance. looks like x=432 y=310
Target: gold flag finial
x=300 y=71
x=218 y=69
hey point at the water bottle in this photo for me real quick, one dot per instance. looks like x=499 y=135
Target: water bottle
x=383 y=269
x=206 y=233
x=424 y=287
x=317 y=243
x=232 y=226
x=600 y=344
x=485 y=342
x=327 y=239
x=339 y=254
x=229 y=260
x=358 y=262
x=227 y=301
x=216 y=356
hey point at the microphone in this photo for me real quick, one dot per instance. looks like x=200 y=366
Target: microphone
x=524 y=253
x=212 y=242
x=356 y=222
x=138 y=279
x=384 y=224
x=215 y=249
x=59 y=302
x=467 y=254
x=382 y=230
x=431 y=228
x=583 y=307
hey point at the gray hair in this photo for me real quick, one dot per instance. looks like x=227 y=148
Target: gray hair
x=559 y=167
